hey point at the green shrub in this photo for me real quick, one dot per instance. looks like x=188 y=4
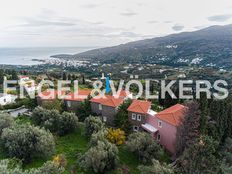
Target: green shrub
x=26 y=142
x=54 y=121
x=156 y=168
x=10 y=167
x=48 y=168
x=144 y=146
x=100 y=158
x=67 y=123
x=93 y=125
x=5 y=121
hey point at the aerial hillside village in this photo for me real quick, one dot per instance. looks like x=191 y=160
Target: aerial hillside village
x=115 y=87
x=114 y=133
x=162 y=126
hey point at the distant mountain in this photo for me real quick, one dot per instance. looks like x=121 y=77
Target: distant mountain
x=207 y=47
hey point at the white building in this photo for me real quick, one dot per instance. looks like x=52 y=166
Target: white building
x=23 y=79
x=6 y=99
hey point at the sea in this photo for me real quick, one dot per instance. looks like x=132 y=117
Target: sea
x=25 y=56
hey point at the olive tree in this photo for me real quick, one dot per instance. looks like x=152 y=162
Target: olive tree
x=10 y=167
x=60 y=123
x=26 y=142
x=156 y=168
x=98 y=136
x=5 y=121
x=92 y=125
x=144 y=146
x=67 y=123
x=100 y=158
x=48 y=168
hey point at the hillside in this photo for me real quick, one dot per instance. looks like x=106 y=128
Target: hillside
x=207 y=47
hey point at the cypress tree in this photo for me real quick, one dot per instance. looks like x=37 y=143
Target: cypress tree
x=204 y=113
x=188 y=131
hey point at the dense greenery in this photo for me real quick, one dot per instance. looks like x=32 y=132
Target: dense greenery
x=156 y=168
x=60 y=123
x=121 y=118
x=5 y=121
x=11 y=167
x=93 y=125
x=54 y=105
x=188 y=130
x=85 y=110
x=200 y=157
x=99 y=158
x=27 y=142
x=204 y=137
x=144 y=146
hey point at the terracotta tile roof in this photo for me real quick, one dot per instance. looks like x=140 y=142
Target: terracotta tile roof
x=22 y=77
x=108 y=101
x=49 y=94
x=139 y=106
x=82 y=95
x=172 y=115
x=112 y=101
x=124 y=94
x=97 y=100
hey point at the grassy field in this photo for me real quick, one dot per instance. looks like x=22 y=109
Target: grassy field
x=73 y=144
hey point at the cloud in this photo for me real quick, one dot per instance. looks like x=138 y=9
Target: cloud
x=220 y=18
x=167 y=22
x=129 y=13
x=98 y=23
x=126 y=34
x=46 y=18
x=39 y=23
x=91 y=5
x=178 y=27
x=152 y=22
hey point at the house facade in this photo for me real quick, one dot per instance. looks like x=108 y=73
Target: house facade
x=163 y=126
x=106 y=108
x=96 y=106
x=73 y=102
x=138 y=113
x=47 y=96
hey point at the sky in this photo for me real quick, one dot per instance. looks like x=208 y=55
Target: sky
x=100 y=23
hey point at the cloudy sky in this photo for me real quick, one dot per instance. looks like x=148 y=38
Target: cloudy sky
x=45 y=23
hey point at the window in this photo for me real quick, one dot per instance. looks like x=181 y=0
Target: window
x=133 y=116
x=69 y=104
x=104 y=119
x=139 y=117
x=135 y=128
x=158 y=137
x=160 y=124
x=100 y=107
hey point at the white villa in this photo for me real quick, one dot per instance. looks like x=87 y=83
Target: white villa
x=7 y=99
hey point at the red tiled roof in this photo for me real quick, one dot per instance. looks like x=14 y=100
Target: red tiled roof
x=124 y=93
x=172 y=115
x=139 y=106
x=108 y=100
x=82 y=95
x=23 y=77
x=112 y=101
x=49 y=94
